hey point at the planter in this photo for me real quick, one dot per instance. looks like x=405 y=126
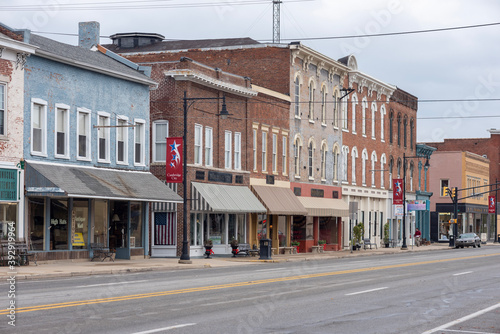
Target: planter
x=208 y=252
x=234 y=250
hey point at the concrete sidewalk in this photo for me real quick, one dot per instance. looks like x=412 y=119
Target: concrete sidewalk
x=69 y=268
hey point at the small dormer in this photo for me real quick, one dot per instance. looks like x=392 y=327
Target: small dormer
x=135 y=39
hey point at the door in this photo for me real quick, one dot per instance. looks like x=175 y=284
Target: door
x=119 y=237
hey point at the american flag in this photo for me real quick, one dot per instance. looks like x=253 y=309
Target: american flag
x=165 y=231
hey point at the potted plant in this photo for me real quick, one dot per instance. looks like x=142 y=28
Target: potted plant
x=386 y=235
x=208 y=248
x=358 y=230
x=295 y=244
x=234 y=245
x=322 y=243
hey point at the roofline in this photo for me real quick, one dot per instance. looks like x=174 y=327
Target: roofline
x=17 y=45
x=300 y=46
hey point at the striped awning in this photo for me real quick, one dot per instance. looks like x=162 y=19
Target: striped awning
x=325 y=207
x=224 y=198
x=279 y=201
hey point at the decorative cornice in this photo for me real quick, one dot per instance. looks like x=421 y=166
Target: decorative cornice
x=1 y=51
x=21 y=59
x=373 y=85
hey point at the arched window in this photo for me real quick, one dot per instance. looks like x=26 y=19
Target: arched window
x=324 y=148
x=391 y=126
x=405 y=124
x=364 y=158
x=374 y=111
x=382 y=121
x=354 y=104
x=411 y=175
x=297 y=145
x=412 y=126
x=399 y=168
x=310 y=160
x=336 y=156
x=323 y=104
x=399 y=129
x=374 y=160
x=335 y=110
x=311 y=100
x=383 y=161
x=345 y=162
x=354 y=155
x=364 y=106
x=345 y=112
x=391 y=170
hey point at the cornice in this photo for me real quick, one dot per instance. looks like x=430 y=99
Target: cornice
x=322 y=62
x=373 y=85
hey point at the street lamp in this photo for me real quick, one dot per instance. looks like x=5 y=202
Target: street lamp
x=185 y=258
x=404 y=246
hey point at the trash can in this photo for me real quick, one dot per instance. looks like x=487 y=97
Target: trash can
x=452 y=240
x=265 y=249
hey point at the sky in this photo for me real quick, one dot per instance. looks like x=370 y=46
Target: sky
x=451 y=72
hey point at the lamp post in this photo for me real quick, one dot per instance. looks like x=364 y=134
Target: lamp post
x=404 y=246
x=185 y=258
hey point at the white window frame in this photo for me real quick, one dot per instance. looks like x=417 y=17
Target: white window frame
x=140 y=124
x=209 y=146
x=354 y=102
x=284 y=155
x=296 y=157
x=65 y=108
x=297 y=96
x=342 y=104
x=198 y=144
x=43 y=104
x=382 y=120
x=335 y=111
x=88 y=142
x=227 y=149
x=124 y=120
x=324 y=149
x=383 y=161
x=354 y=156
x=323 y=105
x=364 y=159
x=312 y=91
x=254 y=149
x=345 y=163
x=237 y=150
x=374 y=160
x=310 y=160
x=158 y=141
x=264 y=151
x=3 y=109
x=107 y=136
x=364 y=106
x=335 y=164
x=275 y=153
x=374 y=112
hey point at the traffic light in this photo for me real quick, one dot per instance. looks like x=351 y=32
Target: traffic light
x=453 y=221
x=454 y=192
x=446 y=191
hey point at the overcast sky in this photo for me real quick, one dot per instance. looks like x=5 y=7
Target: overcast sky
x=447 y=65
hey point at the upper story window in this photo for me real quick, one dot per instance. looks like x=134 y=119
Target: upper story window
x=62 y=131
x=284 y=160
x=198 y=142
x=411 y=175
x=122 y=140
x=391 y=126
x=335 y=110
x=38 y=127
x=237 y=150
x=254 y=140
x=275 y=153
x=374 y=111
x=160 y=134
x=399 y=168
x=345 y=113
x=373 y=161
x=323 y=105
x=310 y=160
x=227 y=149
x=83 y=126
x=399 y=129
x=354 y=156
x=296 y=156
x=3 y=112
x=444 y=185
x=297 y=96
x=364 y=158
x=264 y=151
x=382 y=167
x=323 y=161
x=311 y=100
x=139 y=141
x=412 y=126
x=345 y=162
x=103 y=137
x=405 y=125
x=209 y=160
x=364 y=106
x=335 y=163
x=391 y=170
x=354 y=101
x=382 y=121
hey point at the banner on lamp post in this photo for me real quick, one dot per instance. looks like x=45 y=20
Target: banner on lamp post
x=397 y=191
x=491 y=204
x=174 y=160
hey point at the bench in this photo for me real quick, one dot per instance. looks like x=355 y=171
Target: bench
x=16 y=251
x=101 y=252
x=367 y=242
x=317 y=249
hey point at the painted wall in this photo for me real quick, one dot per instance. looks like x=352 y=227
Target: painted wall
x=445 y=165
x=79 y=88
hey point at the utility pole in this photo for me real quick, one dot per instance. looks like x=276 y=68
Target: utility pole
x=276 y=21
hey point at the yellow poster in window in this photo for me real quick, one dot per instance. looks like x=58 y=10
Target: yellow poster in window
x=78 y=240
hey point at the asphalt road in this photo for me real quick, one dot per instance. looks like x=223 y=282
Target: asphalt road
x=452 y=291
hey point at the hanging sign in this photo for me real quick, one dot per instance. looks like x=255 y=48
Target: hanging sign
x=397 y=191
x=174 y=160
x=491 y=204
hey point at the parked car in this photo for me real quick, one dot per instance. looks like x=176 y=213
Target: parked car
x=468 y=239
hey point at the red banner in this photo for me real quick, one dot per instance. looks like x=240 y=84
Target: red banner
x=174 y=160
x=491 y=204
x=397 y=191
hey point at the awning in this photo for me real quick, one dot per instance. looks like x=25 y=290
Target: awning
x=279 y=201
x=325 y=207
x=224 y=198
x=44 y=179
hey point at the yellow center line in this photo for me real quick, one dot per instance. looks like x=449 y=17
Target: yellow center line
x=229 y=285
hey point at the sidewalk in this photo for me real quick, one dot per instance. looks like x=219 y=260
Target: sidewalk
x=69 y=268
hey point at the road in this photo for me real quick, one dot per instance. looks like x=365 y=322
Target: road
x=450 y=291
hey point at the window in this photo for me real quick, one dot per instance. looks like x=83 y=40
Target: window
x=264 y=151
x=209 y=160
x=198 y=142
x=382 y=167
x=297 y=97
x=254 y=149
x=391 y=126
x=374 y=111
x=296 y=156
x=310 y=160
x=160 y=134
x=405 y=125
x=335 y=163
x=374 y=160
x=445 y=184
x=83 y=125
x=3 y=113
x=345 y=162
x=391 y=168
x=227 y=149
x=237 y=150
x=139 y=140
x=399 y=168
x=122 y=140
x=38 y=127
x=323 y=161
x=275 y=153
x=354 y=155
x=311 y=101
x=345 y=112
x=103 y=137
x=411 y=175
x=399 y=129
x=382 y=120
x=354 y=104
x=284 y=151
x=335 y=110
x=364 y=106
x=412 y=126
x=364 y=158
x=62 y=131
x=323 y=105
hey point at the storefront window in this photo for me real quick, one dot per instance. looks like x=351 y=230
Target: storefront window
x=217 y=227
x=328 y=230
x=36 y=216
x=118 y=232
x=241 y=228
x=101 y=222
x=232 y=234
x=299 y=228
x=282 y=231
x=196 y=229
x=58 y=224
x=8 y=215
x=136 y=224
x=80 y=224
x=444 y=226
x=261 y=226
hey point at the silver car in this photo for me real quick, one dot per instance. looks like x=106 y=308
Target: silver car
x=468 y=239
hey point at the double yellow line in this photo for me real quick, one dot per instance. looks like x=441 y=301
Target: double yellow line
x=226 y=286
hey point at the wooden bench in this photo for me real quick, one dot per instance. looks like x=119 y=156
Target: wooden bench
x=367 y=242
x=17 y=251
x=101 y=252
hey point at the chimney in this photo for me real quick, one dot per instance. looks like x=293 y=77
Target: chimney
x=88 y=34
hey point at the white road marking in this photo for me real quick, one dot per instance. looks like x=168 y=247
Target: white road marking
x=467 y=317
x=365 y=291
x=270 y=269
x=164 y=329
x=469 y=332
x=464 y=273
x=104 y=284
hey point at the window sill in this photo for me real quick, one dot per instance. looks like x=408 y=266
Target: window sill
x=297 y=118
x=297 y=177
x=66 y=157
x=39 y=154
x=323 y=125
x=335 y=127
x=83 y=159
x=346 y=130
x=125 y=163
x=311 y=178
x=374 y=138
x=311 y=121
x=100 y=161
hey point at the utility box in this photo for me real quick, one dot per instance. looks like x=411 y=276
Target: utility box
x=265 y=249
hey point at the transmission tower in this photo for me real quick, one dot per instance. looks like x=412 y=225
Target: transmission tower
x=276 y=20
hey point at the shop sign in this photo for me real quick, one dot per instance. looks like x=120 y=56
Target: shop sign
x=8 y=184
x=398 y=210
x=491 y=204
x=397 y=191
x=174 y=160
x=416 y=205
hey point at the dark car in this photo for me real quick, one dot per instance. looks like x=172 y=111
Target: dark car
x=468 y=239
